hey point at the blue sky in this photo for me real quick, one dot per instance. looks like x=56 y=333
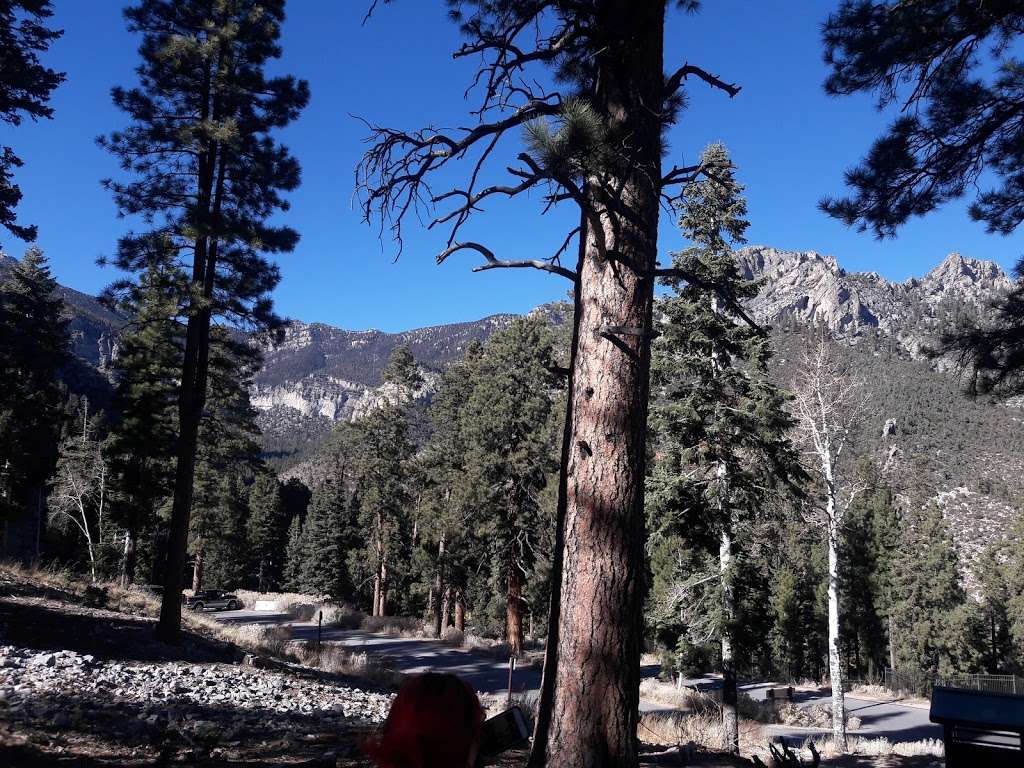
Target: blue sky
x=790 y=141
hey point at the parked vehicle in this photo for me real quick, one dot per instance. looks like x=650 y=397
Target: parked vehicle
x=213 y=599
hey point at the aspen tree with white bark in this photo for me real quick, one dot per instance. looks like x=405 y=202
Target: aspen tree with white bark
x=829 y=403
x=78 y=498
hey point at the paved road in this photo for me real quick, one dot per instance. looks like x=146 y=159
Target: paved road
x=893 y=721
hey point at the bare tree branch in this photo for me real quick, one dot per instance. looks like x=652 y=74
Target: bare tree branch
x=493 y=262
x=677 y=77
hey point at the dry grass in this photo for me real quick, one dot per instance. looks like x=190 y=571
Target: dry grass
x=881 y=693
x=338 y=660
x=703 y=728
x=880 y=747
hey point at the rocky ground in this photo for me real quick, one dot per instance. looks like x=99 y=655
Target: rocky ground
x=88 y=687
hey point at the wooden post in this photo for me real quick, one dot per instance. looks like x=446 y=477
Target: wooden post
x=319 y=627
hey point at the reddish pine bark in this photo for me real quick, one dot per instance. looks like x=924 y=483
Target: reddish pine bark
x=596 y=690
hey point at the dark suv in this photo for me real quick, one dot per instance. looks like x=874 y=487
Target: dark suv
x=214 y=599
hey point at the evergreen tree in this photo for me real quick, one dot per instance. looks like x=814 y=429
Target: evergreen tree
x=142 y=440
x=585 y=85
x=383 y=471
x=25 y=89
x=868 y=538
x=797 y=640
x=295 y=498
x=1015 y=578
x=268 y=529
x=324 y=537
x=510 y=455
x=203 y=168
x=721 y=424
x=293 y=565
x=932 y=633
x=34 y=345
x=994 y=610
x=228 y=442
x=226 y=554
x=446 y=500
x=953 y=68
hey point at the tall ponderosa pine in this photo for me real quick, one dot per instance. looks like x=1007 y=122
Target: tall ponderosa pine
x=721 y=424
x=445 y=502
x=510 y=454
x=596 y=72
x=141 y=445
x=383 y=467
x=953 y=66
x=209 y=176
x=34 y=347
x=24 y=90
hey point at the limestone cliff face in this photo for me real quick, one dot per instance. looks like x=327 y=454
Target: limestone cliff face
x=810 y=288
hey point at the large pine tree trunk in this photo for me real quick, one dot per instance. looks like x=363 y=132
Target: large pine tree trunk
x=197 y=571
x=128 y=559
x=835 y=663
x=596 y=693
x=730 y=718
x=514 y=606
x=195 y=368
x=446 y=608
x=438 y=588
x=460 y=612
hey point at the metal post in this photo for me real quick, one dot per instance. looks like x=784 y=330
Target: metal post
x=511 y=667
x=319 y=627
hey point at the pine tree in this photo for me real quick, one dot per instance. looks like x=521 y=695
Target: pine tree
x=293 y=564
x=268 y=529
x=445 y=503
x=994 y=610
x=870 y=530
x=1015 y=579
x=142 y=439
x=510 y=455
x=35 y=346
x=952 y=67
x=324 y=537
x=228 y=442
x=932 y=636
x=203 y=167
x=24 y=90
x=721 y=424
x=226 y=552
x=595 y=73
x=383 y=471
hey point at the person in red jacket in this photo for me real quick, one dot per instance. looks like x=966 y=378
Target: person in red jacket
x=434 y=722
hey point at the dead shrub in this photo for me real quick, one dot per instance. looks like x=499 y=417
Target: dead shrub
x=401 y=626
x=453 y=637
x=343 y=616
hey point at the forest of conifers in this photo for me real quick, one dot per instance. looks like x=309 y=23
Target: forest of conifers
x=632 y=471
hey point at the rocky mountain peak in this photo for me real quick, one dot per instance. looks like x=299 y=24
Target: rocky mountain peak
x=807 y=287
